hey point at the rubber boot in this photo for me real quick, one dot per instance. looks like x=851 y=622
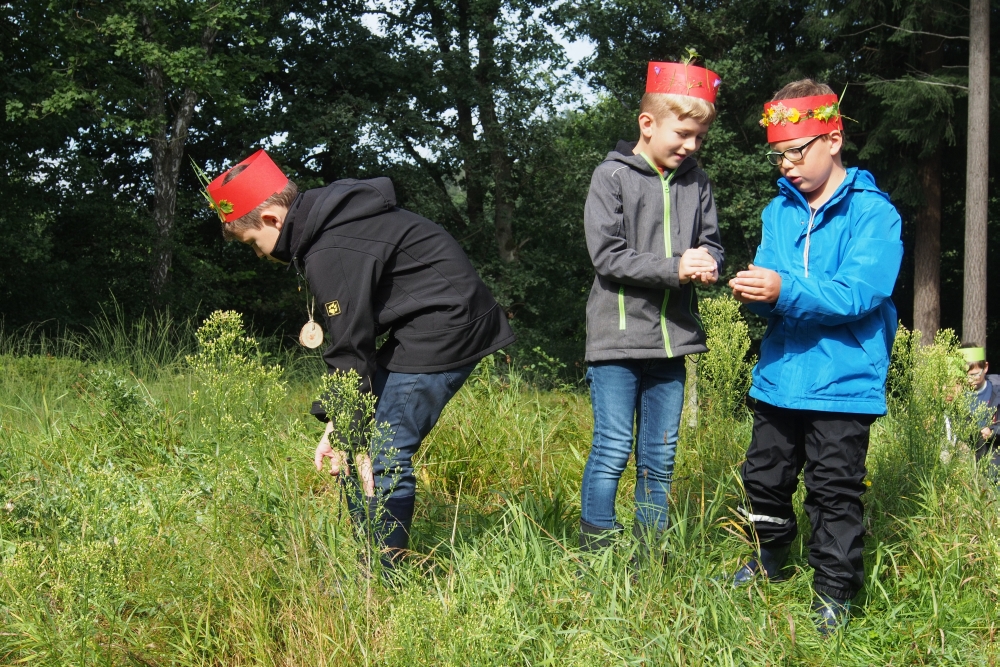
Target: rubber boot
x=649 y=540
x=768 y=562
x=390 y=521
x=593 y=539
x=830 y=613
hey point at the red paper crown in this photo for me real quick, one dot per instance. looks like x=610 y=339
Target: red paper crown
x=249 y=189
x=801 y=117
x=681 y=79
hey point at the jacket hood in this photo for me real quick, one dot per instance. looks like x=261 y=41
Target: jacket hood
x=623 y=154
x=340 y=202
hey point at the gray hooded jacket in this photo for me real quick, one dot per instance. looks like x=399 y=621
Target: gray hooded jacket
x=637 y=308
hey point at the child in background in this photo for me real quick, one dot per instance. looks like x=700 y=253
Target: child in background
x=652 y=234
x=823 y=277
x=987 y=392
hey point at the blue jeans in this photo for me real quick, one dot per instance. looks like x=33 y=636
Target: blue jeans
x=648 y=393
x=411 y=404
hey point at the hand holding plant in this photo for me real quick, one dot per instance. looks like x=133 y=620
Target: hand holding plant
x=340 y=462
x=352 y=426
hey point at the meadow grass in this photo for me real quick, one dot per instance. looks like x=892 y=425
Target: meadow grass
x=158 y=505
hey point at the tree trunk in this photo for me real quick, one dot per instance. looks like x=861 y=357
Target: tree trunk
x=167 y=149
x=927 y=246
x=461 y=83
x=500 y=161
x=977 y=174
x=475 y=196
x=927 y=252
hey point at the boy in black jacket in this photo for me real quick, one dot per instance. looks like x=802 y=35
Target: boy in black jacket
x=373 y=268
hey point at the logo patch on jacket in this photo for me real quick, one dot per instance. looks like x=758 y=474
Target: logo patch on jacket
x=332 y=308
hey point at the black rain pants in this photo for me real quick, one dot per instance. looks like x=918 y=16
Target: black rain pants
x=831 y=446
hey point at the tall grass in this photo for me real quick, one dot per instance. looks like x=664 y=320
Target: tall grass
x=154 y=515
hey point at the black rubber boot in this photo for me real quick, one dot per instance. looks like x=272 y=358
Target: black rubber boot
x=650 y=543
x=831 y=614
x=594 y=539
x=390 y=521
x=768 y=562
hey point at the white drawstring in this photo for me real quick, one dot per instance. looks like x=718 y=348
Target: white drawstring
x=805 y=255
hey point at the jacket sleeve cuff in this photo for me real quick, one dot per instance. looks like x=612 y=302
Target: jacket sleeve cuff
x=318 y=412
x=761 y=309
x=673 y=276
x=785 y=295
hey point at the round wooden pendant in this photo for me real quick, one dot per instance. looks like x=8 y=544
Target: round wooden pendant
x=311 y=335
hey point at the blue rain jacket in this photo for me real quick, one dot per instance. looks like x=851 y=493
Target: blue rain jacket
x=830 y=333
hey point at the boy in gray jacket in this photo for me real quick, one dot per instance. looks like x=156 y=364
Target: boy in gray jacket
x=652 y=234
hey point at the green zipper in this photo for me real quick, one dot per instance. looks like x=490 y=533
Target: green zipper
x=665 y=181
x=621 y=307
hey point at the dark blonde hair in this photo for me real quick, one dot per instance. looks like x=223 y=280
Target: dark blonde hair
x=805 y=88
x=252 y=220
x=682 y=106
x=802 y=88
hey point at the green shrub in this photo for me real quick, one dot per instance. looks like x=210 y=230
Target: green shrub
x=724 y=371
x=927 y=397
x=238 y=397
x=715 y=437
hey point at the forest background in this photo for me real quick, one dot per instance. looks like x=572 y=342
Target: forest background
x=474 y=110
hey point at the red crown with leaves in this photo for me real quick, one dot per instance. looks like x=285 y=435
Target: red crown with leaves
x=682 y=79
x=247 y=190
x=801 y=117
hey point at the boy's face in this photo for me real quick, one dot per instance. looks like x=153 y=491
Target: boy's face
x=668 y=140
x=264 y=239
x=976 y=375
x=819 y=159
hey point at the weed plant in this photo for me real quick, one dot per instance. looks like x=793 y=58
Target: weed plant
x=172 y=515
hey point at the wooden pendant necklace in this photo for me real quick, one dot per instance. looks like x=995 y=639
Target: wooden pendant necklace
x=311 y=335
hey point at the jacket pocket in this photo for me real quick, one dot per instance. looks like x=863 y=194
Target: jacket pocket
x=767 y=371
x=621 y=307
x=840 y=366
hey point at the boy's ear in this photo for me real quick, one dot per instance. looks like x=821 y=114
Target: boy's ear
x=646 y=122
x=836 y=142
x=274 y=216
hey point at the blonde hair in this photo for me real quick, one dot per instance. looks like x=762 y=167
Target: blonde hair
x=252 y=220
x=682 y=106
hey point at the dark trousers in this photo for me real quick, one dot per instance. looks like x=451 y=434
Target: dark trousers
x=831 y=446
x=410 y=403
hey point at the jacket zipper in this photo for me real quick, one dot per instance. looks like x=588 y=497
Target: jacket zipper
x=621 y=307
x=665 y=181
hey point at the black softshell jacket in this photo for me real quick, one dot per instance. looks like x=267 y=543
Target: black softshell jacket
x=375 y=268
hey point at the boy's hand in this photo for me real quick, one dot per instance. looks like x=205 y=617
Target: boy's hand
x=987 y=433
x=339 y=464
x=697 y=264
x=756 y=285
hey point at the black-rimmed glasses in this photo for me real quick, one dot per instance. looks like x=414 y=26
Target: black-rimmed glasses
x=793 y=155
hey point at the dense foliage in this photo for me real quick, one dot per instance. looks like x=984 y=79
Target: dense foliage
x=471 y=107
x=146 y=519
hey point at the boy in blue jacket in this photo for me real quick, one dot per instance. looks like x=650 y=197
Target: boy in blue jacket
x=823 y=276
